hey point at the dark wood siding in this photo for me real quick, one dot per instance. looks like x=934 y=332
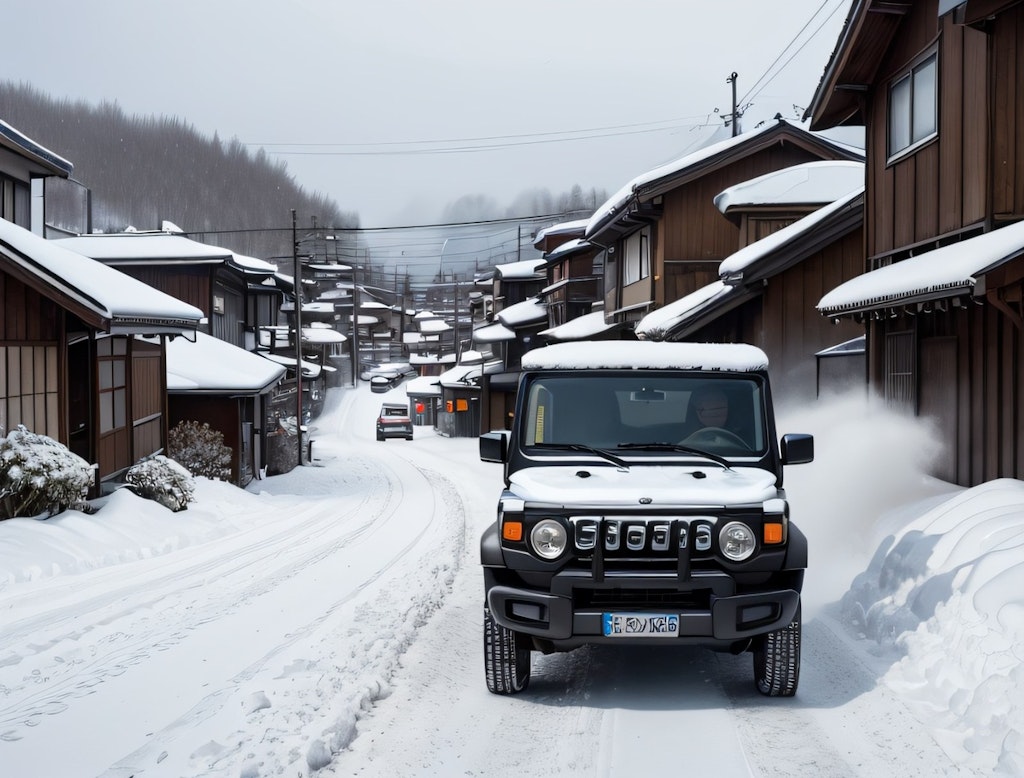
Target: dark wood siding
x=147 y=403
x=1008 y=114
x=188 y=284
x=940 y=188
x=693 y=229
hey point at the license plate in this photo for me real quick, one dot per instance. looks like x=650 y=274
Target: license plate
x=655 y=625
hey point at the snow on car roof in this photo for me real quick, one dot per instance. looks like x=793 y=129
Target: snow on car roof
x=646 y=355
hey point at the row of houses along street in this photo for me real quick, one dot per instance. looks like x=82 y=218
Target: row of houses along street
x=894 y=268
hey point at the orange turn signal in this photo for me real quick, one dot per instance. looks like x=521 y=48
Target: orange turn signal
x=772 y=534
x=512 y=530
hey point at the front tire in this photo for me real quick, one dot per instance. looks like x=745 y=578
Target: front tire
x=506 y=658
x=777 y=660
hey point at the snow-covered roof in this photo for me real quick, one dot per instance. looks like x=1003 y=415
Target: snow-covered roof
x=676 y=312
x=944 y=272
x=492 y=333
x=126 y=305
x=309 y=369
x=570 y=247
x=646 y=355
x=322 y=335
x=252 y=264
x=582 y=327
x=529 y=311
x=471 y=357
x=17 y=142
x=562 y=228
x=527 y=268
x=129 y=248
x=211 y=365
x=433 y=326
x=823 y=181
x=426 y=386
x=330 y=267
x=617 y=201
x=460 y=376
x=734 y=265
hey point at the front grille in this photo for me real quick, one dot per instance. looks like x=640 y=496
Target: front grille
x=635 y=538
x=626 y=599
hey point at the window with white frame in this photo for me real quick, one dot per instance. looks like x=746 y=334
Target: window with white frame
x=636 y=259
x=913 y=106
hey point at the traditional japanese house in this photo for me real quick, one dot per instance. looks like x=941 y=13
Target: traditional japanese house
x=937 y=85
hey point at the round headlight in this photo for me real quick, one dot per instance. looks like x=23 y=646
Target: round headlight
x=737 y=541
x=548 y=539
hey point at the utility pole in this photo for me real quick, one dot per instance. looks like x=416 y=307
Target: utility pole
x=735 y=117
x=297 y=270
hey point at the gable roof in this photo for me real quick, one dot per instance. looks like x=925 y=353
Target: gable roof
x=40 y=160
x=866 y=35
x=103 y=297
x=742 y=274
x=625 y=203
x=146 y=248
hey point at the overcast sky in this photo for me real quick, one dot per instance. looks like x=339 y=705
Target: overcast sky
x=375 y=103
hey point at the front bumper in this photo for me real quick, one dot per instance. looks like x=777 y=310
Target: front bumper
x=710 y=610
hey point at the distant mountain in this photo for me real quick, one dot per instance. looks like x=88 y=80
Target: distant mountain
x=143 y=170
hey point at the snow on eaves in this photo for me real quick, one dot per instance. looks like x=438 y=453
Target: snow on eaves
x=210 y=364
x=822 y=181
x=674 y=313
x=129 y=304
x=493 y=333
x=527 y=268
x=732 y=267
x=943 y=272
x=589 y=325
x=529 y=311
x=23 y=146
x=144 y=248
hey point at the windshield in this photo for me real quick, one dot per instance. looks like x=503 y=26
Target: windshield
x=655 y=412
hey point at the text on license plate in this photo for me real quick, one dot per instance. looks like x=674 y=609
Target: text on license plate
x=620 y=625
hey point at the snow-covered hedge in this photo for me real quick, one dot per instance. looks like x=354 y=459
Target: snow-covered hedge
x=200 y=449
x=163 y=480
x=39 y=475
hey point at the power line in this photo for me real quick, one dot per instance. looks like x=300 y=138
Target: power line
x=516 y=140
x=751 y=94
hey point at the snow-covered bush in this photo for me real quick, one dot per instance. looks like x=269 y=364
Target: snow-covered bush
x=201 y=449
x=39 y=475
x=163 y=480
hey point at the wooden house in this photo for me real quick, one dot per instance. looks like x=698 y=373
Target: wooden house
x=767 y=291
x=937 y=85
x=237 y=295
x=662 y=235
x=71 y=366
x=24 y=165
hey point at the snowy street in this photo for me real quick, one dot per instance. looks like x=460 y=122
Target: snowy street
x=328 y=622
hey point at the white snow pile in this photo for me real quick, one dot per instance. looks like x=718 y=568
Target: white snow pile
x=947 y=591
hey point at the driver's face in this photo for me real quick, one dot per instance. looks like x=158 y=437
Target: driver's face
x=712 y=409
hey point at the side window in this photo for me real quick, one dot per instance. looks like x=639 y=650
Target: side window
x=913 y=106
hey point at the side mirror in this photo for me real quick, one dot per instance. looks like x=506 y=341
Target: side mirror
x=797 y=449
x=494 y=446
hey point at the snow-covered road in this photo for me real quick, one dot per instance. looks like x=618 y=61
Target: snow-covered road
x=331 y=625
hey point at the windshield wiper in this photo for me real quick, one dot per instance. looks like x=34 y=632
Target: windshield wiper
x=587 y=449
x=676 y=447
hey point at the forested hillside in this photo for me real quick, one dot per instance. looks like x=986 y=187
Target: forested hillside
x=142 y=170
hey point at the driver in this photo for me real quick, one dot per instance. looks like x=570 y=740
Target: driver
x=712 y=408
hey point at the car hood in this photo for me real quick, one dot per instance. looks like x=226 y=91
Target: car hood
x=649 y=485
